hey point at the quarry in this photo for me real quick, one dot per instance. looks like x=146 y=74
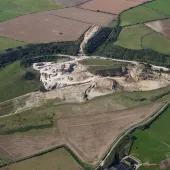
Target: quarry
x=73 y=81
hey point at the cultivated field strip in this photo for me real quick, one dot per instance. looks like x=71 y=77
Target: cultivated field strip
x=85 y=16
x=111 y=6
x=93 y=135
x=42 y=28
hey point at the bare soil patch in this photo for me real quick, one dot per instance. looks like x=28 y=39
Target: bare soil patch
x=90 y=136
x=165 y=164
x=161 y=26
x=42 y=28
x=82 y=15
x=19 y=146
x=111 y=6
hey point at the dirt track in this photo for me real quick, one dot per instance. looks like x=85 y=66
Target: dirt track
x=42 y=28
x=111 y=6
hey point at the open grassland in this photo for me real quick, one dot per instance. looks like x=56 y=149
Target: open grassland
x=141 y=37
x=11 y=9
x=6 y=43
x=152 y=144
x=42 y=27
x=160 y=6
x=130 y=37
x=139 y=15
x=94 y=65
x=12 y=84
x=156 y=42
x=111 y=6
x=59 y=159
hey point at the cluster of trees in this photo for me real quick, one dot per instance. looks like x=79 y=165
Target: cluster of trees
x=144 y=55
x=12 y=55
x=97 y=40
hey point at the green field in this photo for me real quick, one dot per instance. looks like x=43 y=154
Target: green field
x=6 y=43
x=141 y=37
x=12 y=84
x=161 y=6
x=154 y=167
x=153 y=144
x=138 y=15
x=11 y=9
x=157 y=42
x=130 y=37
x=59 y=159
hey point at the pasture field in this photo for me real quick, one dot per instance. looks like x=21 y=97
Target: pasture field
x=99 y=64
x=139 y=15
x=53 y=28
x=6 y=43
x=86 y=16
x=160 y=6
x=161 y=26
x=154 y=167
x=11 y=9
x=152 y=144
x=156 y=42
x=141 y=37
x=130 y=37
x=111 y=6
x=59 y=159
x=12 y=84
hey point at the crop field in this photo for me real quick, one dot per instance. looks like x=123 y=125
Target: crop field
x=152 y=144
x=90 y=144
x=161 y=26
x=86 y=16
x=12 y=84
x=139 y=37
x=59 y=159
x=91 y=136
x=111 y=6
x=11 y=9
x=160 y=6
x=6 y=43
x=139 y=15
x=42 y=28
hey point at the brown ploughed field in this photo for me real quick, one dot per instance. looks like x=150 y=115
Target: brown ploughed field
x=161 y=26
x=111 y=6
x=90 y=136
x=42 y=28
x=16 y=147
x=82 y=15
